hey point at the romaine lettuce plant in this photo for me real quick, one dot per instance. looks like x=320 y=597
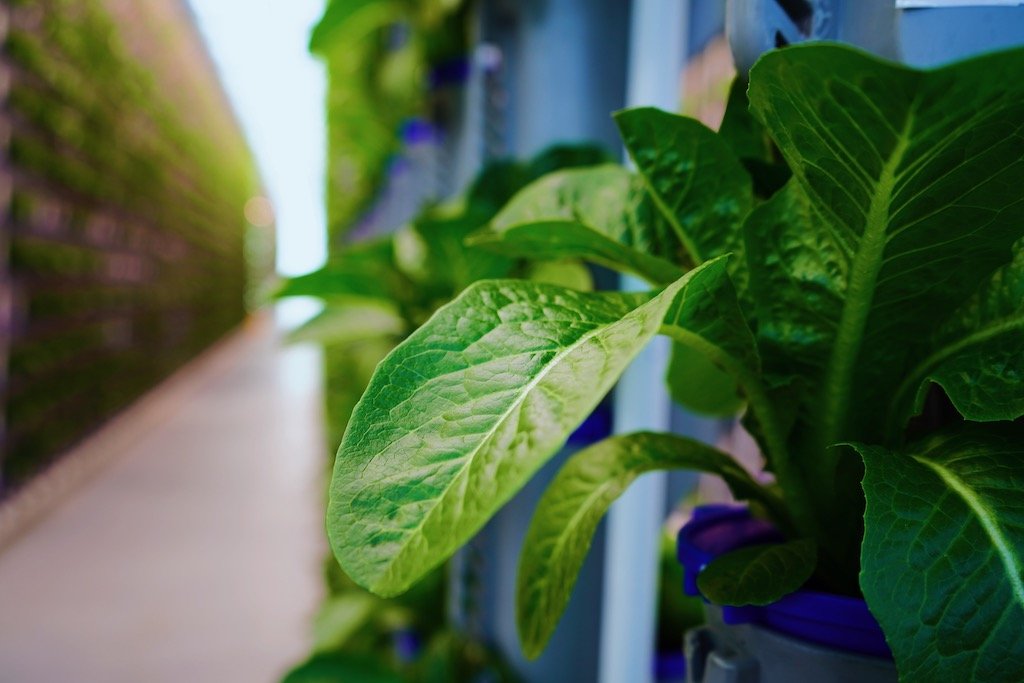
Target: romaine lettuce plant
x=886 y=271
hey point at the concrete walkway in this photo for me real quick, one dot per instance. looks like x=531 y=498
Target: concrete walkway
x=193 y=555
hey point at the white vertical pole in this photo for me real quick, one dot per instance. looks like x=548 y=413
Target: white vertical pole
x=657 y=53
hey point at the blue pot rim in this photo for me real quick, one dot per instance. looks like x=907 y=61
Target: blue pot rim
x=837 y=621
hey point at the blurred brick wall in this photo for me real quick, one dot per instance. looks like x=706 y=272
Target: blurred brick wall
x=123 y=178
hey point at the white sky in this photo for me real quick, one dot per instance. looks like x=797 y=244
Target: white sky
x=277 y=89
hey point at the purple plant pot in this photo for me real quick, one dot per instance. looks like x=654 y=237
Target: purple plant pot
x=838 y=622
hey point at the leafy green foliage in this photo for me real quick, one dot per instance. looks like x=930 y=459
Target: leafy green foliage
x=693 y=176
x=758 y=574
x=459 y=417
x=601 y=214
x=567 y=515
x=911 y=179
x=943 y=553
x=975 y=355
x=883 y=266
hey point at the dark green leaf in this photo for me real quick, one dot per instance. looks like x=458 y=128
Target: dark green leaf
x=977 y=357
x=758 y=574
x=943 y=553
x=740 y=130
x=751 y=143
x=558 y=157
x=495 y=185
x=694 y=178
x=338 y=667
x=461 y=415
x=601 y=214
x=905 y=199
x=564 y=522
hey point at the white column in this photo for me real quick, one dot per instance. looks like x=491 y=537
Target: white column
x=657 y=54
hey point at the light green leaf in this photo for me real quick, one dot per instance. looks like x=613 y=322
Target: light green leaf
x=696 y=383
x=365 y=271
x=338 y=324
x=977 y=357
x=341 y=617
x=758 y=574
x=601 y=214
x=571 y=274
x=943 y=553
x=567 y=515
x=460 y=416
x=695 y=179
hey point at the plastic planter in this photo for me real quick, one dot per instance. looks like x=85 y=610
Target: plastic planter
x=805 y=636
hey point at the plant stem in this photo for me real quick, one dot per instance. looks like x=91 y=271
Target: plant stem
x=799 y=517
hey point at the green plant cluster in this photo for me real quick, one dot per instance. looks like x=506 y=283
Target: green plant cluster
x=127 y=229
x=375 y=293
x=838 y=254
x=378 y=55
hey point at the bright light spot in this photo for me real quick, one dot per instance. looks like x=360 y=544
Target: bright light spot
x=260 y=212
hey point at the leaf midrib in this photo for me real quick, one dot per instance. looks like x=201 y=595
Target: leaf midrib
x=397 y=562
x=989 y=523
x=858 y=301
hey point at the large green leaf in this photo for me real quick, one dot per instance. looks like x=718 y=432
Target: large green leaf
x=904 y=201
x=601 y=214
x=943 y=553
x=460 y=416
x=695 y=179
x=911 y=183
x=567 y=515
x=758 y=574
x=977 y=356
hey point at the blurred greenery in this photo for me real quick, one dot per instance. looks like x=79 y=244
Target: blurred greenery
x=126 y=227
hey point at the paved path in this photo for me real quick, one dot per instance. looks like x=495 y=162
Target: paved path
x=193 y=555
